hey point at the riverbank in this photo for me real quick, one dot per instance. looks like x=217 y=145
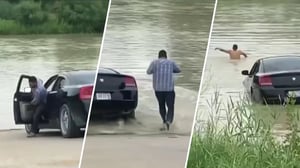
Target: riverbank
x=247 y=135
x=47 y=150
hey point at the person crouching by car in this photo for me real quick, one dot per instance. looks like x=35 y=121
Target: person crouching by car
x=39 y=94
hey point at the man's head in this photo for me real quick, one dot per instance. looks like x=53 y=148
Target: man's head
x=162 y=54
x=32 y=82
x=235 y=47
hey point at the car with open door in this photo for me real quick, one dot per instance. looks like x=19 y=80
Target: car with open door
x=273 y=80
x=68 y=100
x=116 y=95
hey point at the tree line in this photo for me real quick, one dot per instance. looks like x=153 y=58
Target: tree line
x=52 y=16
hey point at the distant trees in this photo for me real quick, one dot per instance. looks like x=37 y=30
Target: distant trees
x=52 y=16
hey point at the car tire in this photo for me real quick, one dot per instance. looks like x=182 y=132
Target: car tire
x=67 y=126
x=257 y=98
x=28 y=129
x=131 y=115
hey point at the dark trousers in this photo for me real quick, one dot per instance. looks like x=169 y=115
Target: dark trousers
x=39 y=109
x=166 y=99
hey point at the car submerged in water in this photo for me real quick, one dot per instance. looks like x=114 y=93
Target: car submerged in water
x=273 y=80
x=68 y=102
x=116 y=95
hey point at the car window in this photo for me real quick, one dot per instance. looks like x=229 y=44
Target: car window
x=50 y=87
x=286 y=64
x=24 y=87
x=254 y=69
x=58 y=84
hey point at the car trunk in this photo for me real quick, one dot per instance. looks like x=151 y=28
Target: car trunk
x=286 y=80
x=114 y=87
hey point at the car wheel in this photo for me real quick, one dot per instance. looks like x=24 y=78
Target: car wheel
x=28 y=128
x=131 y=115
x=67 y=125
x=257 y=98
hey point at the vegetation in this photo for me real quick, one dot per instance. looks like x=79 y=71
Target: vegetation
x=248 y=138
x=52 y=16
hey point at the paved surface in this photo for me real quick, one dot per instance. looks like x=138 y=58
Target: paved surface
x=135 y=151
x=44 y=151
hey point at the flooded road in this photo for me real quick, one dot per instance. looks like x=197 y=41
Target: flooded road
x=136 y=31
x=43 y=56
x=261 y=29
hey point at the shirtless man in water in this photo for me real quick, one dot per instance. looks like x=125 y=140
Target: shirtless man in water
x=234 y=53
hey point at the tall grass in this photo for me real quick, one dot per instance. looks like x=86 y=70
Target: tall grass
x=246 y=139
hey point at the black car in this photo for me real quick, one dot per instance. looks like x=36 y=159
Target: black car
x=68 y=101
x=272 y=80
x=116 y=94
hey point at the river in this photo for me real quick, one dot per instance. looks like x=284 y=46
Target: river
x=43 y=56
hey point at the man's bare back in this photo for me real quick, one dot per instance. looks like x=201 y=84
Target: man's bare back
x=234 y=53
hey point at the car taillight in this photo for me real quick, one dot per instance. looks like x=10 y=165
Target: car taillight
x=86 y=92
x=265 y=80
x=129 y=82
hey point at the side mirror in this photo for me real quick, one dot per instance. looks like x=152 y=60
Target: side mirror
x=27 y=90
x=245 y=72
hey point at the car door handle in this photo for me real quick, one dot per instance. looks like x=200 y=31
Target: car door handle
x=52 y=92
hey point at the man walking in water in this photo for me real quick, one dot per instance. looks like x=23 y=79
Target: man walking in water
x=39 y=102
x=234 y=53
x=163 y=85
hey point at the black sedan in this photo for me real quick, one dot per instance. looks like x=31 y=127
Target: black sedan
x=116 y=94
x=68 y=101
x=273 y=80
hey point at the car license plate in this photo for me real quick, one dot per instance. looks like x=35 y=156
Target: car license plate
x=294 y=93
x=103 y=96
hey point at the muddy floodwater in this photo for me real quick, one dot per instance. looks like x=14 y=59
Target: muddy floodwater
x=136 y=31
x=261 y=29
x=43 y=56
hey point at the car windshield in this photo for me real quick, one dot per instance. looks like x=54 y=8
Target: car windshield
x=282 y=64
x=82 y=79
x=106 y=71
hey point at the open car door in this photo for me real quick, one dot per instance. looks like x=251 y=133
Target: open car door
x=22 y=97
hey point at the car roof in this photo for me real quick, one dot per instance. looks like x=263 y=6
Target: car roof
x=279 y=57
x=74 y=73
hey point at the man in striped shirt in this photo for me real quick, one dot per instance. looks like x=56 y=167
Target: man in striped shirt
x=162 y=70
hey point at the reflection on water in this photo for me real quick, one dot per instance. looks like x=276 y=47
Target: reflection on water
x=137 y=30
x=43 y=56
x=261 y=29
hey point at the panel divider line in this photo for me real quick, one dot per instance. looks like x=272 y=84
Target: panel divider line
x=201 y=83
x=95 y=80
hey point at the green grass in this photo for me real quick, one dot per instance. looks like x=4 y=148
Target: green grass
x=246 y=139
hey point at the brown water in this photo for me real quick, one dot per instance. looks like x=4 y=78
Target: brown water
x=43 y=56
x=136 y=31
x=261 y=29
